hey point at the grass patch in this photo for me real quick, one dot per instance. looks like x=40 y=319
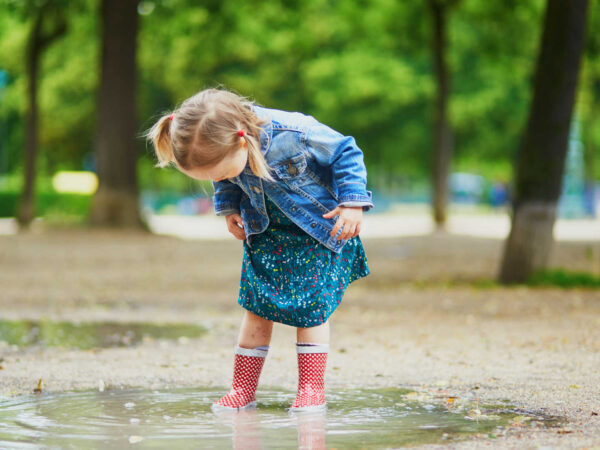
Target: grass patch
x=549 y=278
x=563 y=278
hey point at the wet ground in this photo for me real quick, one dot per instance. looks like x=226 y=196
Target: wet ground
x=425 y=321
x=181 y=418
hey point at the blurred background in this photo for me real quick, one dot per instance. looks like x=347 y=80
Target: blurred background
x=438 y=95
x=480 y=125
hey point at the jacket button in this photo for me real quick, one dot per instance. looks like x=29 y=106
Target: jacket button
x=256 y=189
x=339 y=241
x=293 y=208
x=313 y=225
x=292 y=170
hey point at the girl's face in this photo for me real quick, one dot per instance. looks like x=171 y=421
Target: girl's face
x=229 y=167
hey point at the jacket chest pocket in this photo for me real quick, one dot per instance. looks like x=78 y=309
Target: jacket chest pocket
x=292 y=169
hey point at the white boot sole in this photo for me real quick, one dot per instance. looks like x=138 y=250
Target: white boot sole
x=216 y=407
x=321 y=407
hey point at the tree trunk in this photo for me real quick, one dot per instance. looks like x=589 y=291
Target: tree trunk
x=442 y=134
x=541 y=156
x=116 y=202
x=38 y=41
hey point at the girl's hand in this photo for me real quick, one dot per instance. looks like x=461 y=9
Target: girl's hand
x=350 y=217
x=235 y=225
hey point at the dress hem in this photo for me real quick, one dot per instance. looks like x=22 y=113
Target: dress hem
x=261 y=312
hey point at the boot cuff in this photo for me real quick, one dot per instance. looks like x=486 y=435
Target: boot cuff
x=312 y=348
x=250 y=351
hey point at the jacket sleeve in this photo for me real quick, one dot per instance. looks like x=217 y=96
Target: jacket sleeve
x=226 y=198
x=332 y=149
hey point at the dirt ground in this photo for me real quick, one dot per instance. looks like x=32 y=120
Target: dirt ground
x=417 y=321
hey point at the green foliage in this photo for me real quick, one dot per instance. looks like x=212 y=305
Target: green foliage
x=48 y=203
x=364 y=68
x=588 y=106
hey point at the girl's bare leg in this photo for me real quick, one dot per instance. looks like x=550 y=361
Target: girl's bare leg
x=314 y=335
x=255 y=331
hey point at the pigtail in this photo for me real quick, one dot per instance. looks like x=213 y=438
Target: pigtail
x=256 y=159
x=253 y=126
x=160 y=135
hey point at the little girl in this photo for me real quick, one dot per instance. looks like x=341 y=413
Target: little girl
x=293 y=190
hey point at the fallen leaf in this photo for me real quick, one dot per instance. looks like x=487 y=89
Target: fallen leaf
x=38 y=389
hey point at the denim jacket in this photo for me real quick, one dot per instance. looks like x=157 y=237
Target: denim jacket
x=316 y=169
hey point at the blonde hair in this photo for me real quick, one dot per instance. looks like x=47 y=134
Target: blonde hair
x=203 y=130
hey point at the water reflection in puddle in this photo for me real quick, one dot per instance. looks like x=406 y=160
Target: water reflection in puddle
x=87 y=335
x=377 y=418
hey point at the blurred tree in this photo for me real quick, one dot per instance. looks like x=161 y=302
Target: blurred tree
x=364 y=67
x=48 y=24
x=541 y=155
x=442 y=132
x=116 y=201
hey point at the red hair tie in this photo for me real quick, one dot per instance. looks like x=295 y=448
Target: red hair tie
x=241 y=132
x=171 y=117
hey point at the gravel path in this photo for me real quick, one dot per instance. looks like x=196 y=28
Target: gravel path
x=403 y=326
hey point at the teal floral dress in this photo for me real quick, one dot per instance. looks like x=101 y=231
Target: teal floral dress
x=289 y=277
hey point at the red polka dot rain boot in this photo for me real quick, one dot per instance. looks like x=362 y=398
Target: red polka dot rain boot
x=312 y=359
x=247 y=366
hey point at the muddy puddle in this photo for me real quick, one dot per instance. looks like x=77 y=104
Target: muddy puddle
x=87 y=335
x=182 y=418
